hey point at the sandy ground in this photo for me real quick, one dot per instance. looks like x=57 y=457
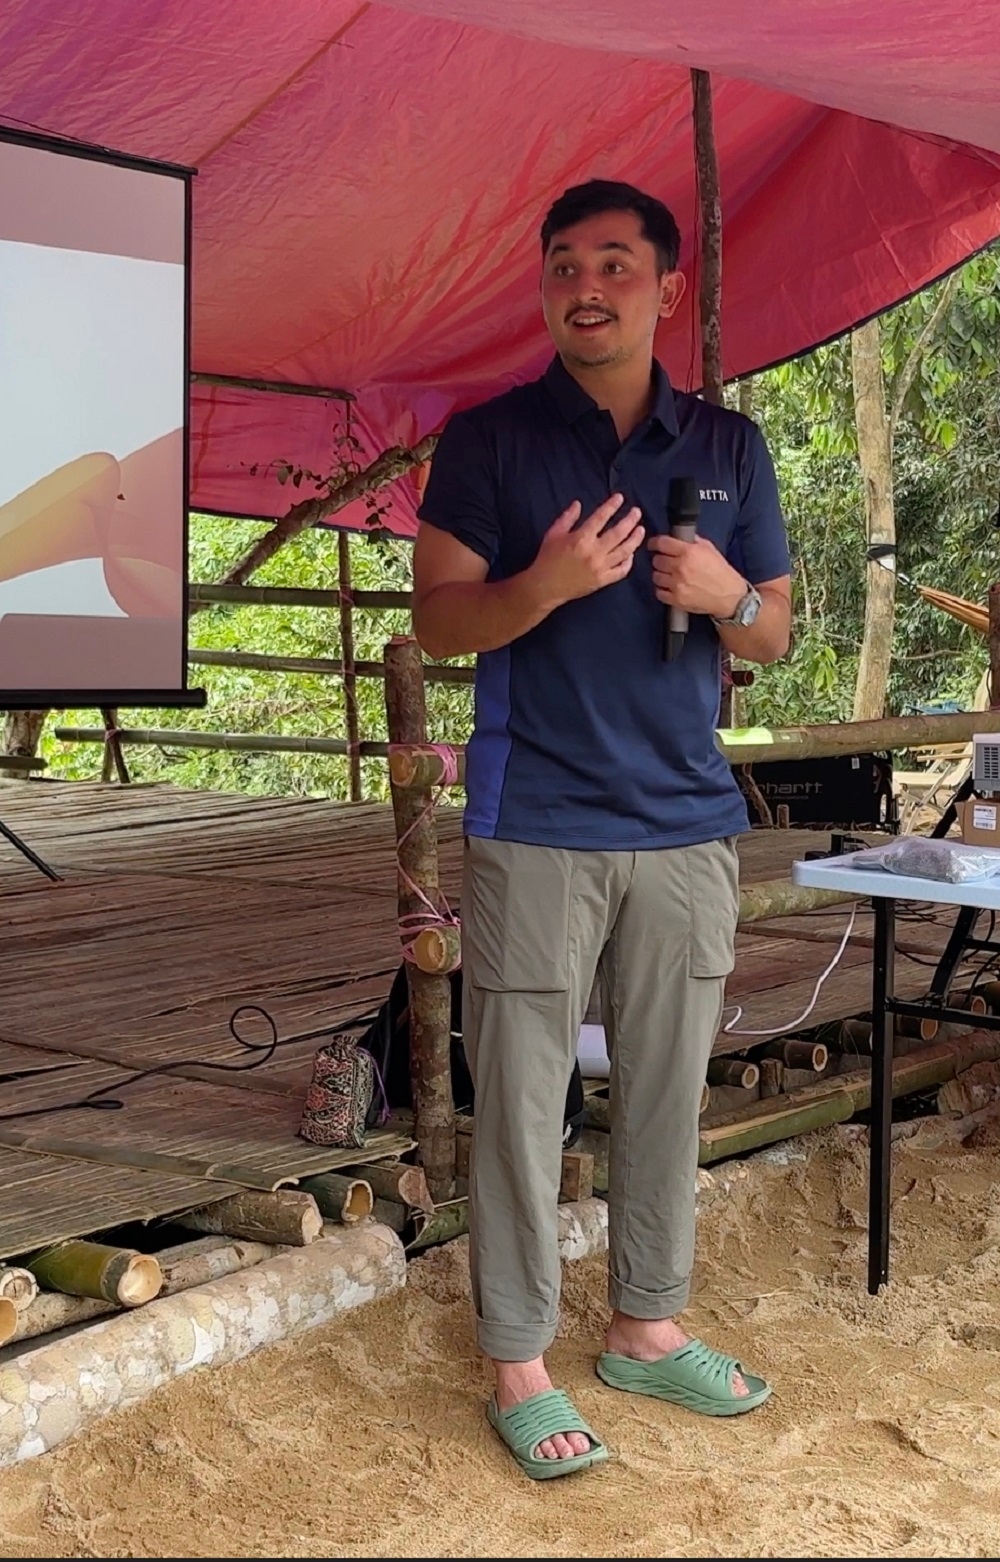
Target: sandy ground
x=368 y=1439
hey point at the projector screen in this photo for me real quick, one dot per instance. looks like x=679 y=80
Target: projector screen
x=94 y=357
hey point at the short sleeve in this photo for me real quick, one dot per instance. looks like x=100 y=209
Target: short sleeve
x=461 y=493
x=760 y=544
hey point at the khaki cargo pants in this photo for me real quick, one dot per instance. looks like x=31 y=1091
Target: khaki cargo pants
x=538 y=924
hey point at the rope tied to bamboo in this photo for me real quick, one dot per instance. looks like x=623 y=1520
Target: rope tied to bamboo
x=430 y=917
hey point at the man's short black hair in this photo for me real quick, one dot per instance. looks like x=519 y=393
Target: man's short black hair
x=611 y=195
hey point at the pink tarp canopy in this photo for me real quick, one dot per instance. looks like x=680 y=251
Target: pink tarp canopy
x=372 y=176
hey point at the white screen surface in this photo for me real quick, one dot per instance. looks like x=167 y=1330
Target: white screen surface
x=93 y=393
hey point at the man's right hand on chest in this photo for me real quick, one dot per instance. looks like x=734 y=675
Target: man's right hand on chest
x=576 y=560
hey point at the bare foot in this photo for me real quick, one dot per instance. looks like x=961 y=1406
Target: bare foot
x=517 y=1381
x=647 y=1339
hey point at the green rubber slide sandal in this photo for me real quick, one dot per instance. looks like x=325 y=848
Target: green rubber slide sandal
x=694 y=1376
x=532 y=1421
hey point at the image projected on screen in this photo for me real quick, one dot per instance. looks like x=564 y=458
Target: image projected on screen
x=92 y=412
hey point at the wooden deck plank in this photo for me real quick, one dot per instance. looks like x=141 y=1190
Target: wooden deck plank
x=177 y=906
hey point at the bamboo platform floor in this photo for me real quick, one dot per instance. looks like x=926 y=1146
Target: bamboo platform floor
x=175 y=908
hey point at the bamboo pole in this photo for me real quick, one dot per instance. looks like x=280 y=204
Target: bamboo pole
x=286 y=1217
x=94 y=1269
x=227 y=742
x=113 y=756
x=429 y=993
x=385 y=469
x=205 y=593
x=316 y=666
x=857 y=737
x=350 y=676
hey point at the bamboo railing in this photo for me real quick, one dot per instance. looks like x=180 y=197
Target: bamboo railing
x=343 y=601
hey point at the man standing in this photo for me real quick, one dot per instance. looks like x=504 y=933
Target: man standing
x=601 y=818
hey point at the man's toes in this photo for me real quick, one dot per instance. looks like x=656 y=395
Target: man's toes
x=579 y=1443
x=739 y=1386
x=563 y=1447
x=547 y=1450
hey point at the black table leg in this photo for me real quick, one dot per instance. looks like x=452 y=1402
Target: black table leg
x=881 y=1129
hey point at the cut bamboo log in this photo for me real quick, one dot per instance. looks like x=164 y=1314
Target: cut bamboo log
x=287 y=1217
x=123 y=1359
x=991 y=992
x=835 y=1100
x=437 y=950
x=798 y=1054
x=18 y=1286
x=733 y=1071
x=418 y=886
x=342 y=1196
x=910 y=1025
x=396 y=1180
x=856 y=737
x=109 y=1274
x=972 y=1003
x=8 y=1319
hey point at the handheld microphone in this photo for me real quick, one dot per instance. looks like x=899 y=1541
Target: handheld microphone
x=683 y=503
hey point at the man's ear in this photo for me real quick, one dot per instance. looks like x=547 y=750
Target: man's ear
x=672 y=285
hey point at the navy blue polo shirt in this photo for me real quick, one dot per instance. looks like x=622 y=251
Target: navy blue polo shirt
x=584 y=737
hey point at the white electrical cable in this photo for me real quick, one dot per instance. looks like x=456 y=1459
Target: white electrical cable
x=780 y=1030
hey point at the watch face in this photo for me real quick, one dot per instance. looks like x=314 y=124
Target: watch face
x=748 y=609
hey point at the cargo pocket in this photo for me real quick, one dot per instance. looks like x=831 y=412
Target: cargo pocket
x=714 y=889
x=515 y=927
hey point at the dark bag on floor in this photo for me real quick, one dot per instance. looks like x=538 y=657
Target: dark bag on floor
x=388 y=1041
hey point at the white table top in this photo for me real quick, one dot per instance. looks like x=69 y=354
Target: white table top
x=837 y=873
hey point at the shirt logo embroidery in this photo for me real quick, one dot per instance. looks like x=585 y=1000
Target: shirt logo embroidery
x=718 y=494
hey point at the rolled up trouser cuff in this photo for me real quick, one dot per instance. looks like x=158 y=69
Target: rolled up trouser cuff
x=634 y=1303
x=515 y=1341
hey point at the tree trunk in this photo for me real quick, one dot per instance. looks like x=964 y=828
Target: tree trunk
x=875 y=456
x=22 y=731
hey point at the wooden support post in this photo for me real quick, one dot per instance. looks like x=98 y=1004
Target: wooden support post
x=429 y=992
x=114 y=758
x=577 y=1181
x=994 y=643
x=771 y=1076
x=347 y=657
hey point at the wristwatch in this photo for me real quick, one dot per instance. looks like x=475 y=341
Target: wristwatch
x=746 y=612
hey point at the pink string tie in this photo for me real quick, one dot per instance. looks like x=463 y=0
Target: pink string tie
x=441 y=915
